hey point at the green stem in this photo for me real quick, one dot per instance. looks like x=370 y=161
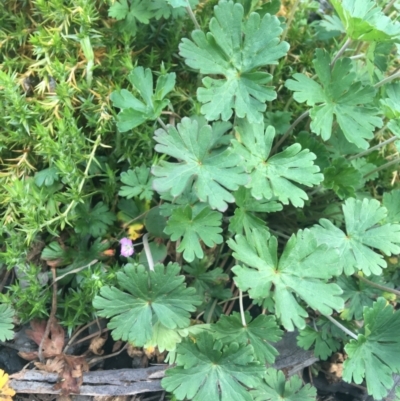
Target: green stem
x=289 y=130
x=290 y=19
x=191 y=15
x=147 y=251
x=161 y=122
x=370 y=150
x=340 y=52
x=387 y=79
x=242 y=309
x=285 y=32
x=386 y=165
x=389 y=6
x=341 y=327
x=210 y=313
x=379 y=286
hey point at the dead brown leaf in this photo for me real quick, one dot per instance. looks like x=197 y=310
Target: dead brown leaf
x=117 y=346
x=72 y=374
x=97 y=343
x=55 y=365
x=132 y=351
x=54 y=343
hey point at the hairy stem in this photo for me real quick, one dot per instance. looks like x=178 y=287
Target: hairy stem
x=161 y=122
x=379 y=286
x=370 y=150
x=289 y=130
x=285 y=32
x=341 y=327
x=211 y=311
x=386 y=165
x=387 y=79
x=191 y=15
x=340 y=52
x=389 y=6
x=147 y=251
x=242 y=309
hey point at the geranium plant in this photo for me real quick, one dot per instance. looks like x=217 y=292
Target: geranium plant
x=270 y=184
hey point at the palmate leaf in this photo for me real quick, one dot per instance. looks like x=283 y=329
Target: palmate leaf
x=138 y=183
x=274 y=177
x=134 y=111
x=258 y=332
x=207 y=281
x=341 y=96
x=244 y=218
x=391 y=104
x=167 y=8
x=148 y=298
x=364 y=231
x=298 y=271
x=207 y=370
x=235 y=49
x=6 y=323
x=357 y=295
x=375 y=355
x=192 y=228
x=212 y=172
x=275 y=387
x=364 y=20
x=166 y=339
x=130 y=13
x=342 y=177
x=391 y=200
x=93 y=221
x=321 y=338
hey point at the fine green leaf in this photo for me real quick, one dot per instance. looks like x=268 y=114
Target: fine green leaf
x=244 y=218
x=342 y=177
x=235 y=49
x=192 y=228
x=134 y=111
x=147 y=298
x=258 y=332
x=210 y=171
x=298 y=271
x=341 y=96
x=275 y=387
x=95 y=221
x=357 y=295
x=364 y=20
x=375 y=355
x=391 y=200
x=138 y=183
x=364 y=231
x=275 y=176
x=6 y=323
x=207 y=370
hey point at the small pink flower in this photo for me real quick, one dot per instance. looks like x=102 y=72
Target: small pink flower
x=126 y=247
